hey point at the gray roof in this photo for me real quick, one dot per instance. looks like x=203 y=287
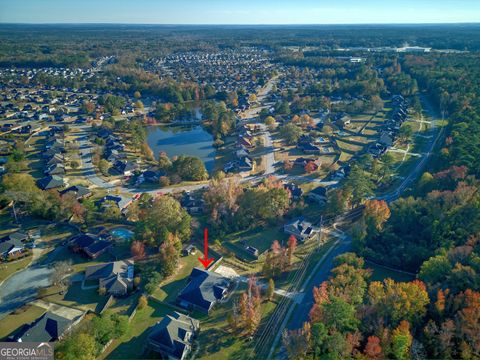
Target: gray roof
x=171 y=333
x=78 y=190
x=10 y=242
x=50 y=182
x=49 y=327
x=112 y=276
x=204 y=289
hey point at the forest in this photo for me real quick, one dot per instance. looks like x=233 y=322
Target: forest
x=433 y=232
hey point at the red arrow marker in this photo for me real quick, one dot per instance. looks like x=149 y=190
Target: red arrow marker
x=205 y=261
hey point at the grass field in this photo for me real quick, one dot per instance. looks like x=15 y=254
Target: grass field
x=216 y=339
x=75 y=297
x=131 y=345
x=15 y=320
x=170 y=287
x=7 y=269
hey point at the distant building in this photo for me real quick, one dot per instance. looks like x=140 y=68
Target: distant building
x=319 y=194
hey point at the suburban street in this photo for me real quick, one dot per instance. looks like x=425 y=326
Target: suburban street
x=21 y=287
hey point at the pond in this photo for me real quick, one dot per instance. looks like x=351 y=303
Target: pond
x=183 y=140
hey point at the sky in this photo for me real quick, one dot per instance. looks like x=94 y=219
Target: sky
x=239 y=11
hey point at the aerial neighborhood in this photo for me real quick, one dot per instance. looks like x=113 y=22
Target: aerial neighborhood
x=239 y=193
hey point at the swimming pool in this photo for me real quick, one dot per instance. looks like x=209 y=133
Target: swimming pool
x=122 y=233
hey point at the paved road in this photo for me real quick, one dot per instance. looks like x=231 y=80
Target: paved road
x=270 y=155
x=21 y=287
x=86 y=150
x=322 y=274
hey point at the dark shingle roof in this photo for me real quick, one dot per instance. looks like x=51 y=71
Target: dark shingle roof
x=204 y=289
x=50 y=182
x=49 y=327
x=170 y=333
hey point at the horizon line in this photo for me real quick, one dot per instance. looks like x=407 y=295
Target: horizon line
x=242 y=24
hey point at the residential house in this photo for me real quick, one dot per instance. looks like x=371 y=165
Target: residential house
x=80 y=192
x=301 y=229
x=49 y=327
x=115 y=277
x=11 y=246
x=89 y=245
x=125 y=167
x=121 y=201
x=308 y=148
x=203 y=290
x=342 y=120
x=295 y=191
x=189 y=250
x=51 y=182
x=55 y=169
x=192 y=204
x=172 y=337
x=319 y=194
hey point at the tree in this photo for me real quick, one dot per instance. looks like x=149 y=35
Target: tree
x=396 y=301
x=59 y=275
x=405 y=133
x=164 y=216
x=164 y=162
x=88 y=107
x=111 y=211
x=373 y=349
x=104 y=166
x=310 y=167
x=138 y=105
x=287 y=165
x=297 y=342
x=435 y=270
x=269 y=121
x=340 y=315
x=78 y=346
x=376 y=213
x=137 y=94
x=359 y=185
x=190 y=168
x=138 y=250
x=221 y=199
x=154 y=279
x=169 y=254
x=401 y=341
x=270 y=289
x=290 y=133
x=252 y=98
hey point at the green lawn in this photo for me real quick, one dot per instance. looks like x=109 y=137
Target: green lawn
x=75 y=297
x=216 y=339
x=18 y=318
x=171 y=286
x=7 y=269
x=131 y=345
x=260 y=238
